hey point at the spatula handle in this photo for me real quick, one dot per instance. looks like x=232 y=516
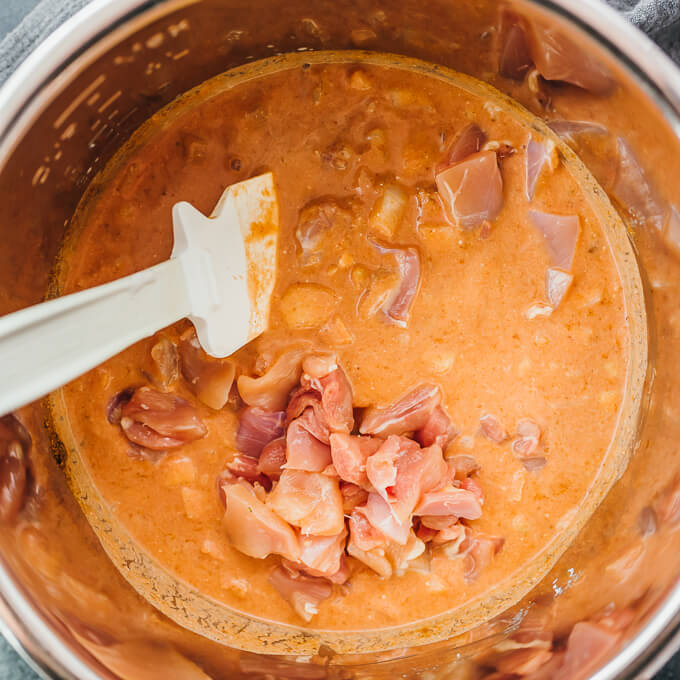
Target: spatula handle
x=47 y=345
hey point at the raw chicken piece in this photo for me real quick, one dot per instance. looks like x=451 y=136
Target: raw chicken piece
x=558 y=57
x=273 y=458
x=401 y=472
x=245 y=467
x=317 y=222
x=310 y=501
x=398 y=307
x=528 y=438
x=381 y=467
x=362 y=533
x=352 y=496
x=349 y=454
x=514 y=59
x=470 y=484
x=452 y=537
x=450 y=501
x=160 y=420
x=463 y=466
x=560 y=234
x=253 y=528
x=380 y=515
x=437 y=430
x=634 y=191
x=410 y=413
x=492 y=428
x=480 y=552
x=539 y=154
x=392 y=558
x=568 y=129
x=323 y=555
x=331 y=398
x=587 y=646
x=472 y=189
x=303 y=450
x=336 y=400
x=256 y=428
x=303 y=593
x=470 y=141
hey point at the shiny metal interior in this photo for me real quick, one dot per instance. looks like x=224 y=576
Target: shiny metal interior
x=80 y=96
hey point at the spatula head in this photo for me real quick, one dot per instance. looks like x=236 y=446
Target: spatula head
x=230 y=263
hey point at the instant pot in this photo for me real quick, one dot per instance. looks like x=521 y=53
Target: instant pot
x=79 y=97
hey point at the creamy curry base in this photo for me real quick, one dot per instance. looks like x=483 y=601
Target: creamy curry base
x=340 y=136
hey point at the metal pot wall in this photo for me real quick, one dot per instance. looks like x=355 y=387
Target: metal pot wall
x=79 y=97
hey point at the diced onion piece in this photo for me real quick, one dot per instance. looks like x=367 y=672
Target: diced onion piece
x=307 y=305
x=271 y=390
x=672 y=231
x=538 y=311
x=336 y=333
x=166 y=360
x=316 y=222
x=388 y=211
x=359 y=80
x=210 y=379
x=557 y=284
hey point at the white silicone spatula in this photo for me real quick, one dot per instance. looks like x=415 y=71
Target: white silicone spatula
x=220 y=275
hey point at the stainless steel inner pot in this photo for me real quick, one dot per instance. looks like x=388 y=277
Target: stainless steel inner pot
x=81 y=94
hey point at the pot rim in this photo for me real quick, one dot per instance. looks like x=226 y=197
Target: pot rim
x=20 y=96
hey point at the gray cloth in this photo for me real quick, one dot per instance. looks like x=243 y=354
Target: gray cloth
x=35 y=27
x=659 y=18
x=11 y=666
